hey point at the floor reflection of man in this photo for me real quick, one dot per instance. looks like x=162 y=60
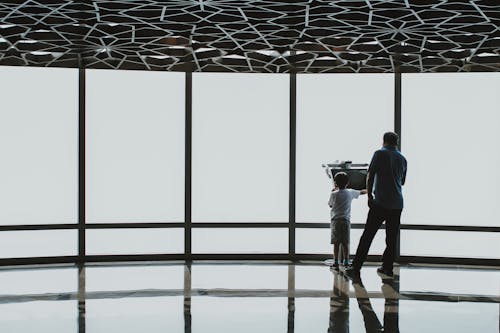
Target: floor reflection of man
x=339 y=305
x=391 y=307
x=390 y=289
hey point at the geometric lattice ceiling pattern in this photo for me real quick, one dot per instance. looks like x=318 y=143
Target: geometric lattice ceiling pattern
x=254 y=36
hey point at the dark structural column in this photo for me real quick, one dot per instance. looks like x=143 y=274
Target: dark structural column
x=397 y=129
x=397 y=106
x=81 y=165
x=187 y=166
x=292 y=157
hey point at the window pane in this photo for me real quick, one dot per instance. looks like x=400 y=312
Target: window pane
x=318 y=241
x=451 y=131
x=460 y=244
x=130 y=315
x=38 y=243
x=135 y=146
x=236 y=276
x=339 y=117
x=427 y=316
x=239 y=240
x=240 y=147
x=451 y=280
x=135 y=241
x=134 y=277
x=320 y=277
x=39 y=316
x=39 y=136
x=38 y=281
x=241 y=314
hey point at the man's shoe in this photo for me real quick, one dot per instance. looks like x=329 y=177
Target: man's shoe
x=352 y=273
x=381 y=270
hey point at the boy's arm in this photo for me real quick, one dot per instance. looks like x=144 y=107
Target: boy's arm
x=330 y=201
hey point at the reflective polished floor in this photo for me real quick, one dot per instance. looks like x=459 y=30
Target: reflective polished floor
x=246 y=297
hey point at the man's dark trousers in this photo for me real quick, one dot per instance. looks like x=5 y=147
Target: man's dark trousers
x=376 y=216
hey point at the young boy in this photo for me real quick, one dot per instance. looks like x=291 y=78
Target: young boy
x=340 y=216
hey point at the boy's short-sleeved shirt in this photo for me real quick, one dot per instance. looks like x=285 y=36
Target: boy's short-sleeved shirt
x=340 y=202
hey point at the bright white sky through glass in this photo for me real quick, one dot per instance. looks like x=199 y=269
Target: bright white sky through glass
x=39 y=145
x=451 y=137
x=240 y=147
x=339 y=117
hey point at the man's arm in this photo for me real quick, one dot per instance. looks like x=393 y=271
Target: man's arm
x=369 y=187
x=363 y=192
x=403 y=181
x=370 y=177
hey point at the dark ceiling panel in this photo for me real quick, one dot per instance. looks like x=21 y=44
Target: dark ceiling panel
x=314 y=36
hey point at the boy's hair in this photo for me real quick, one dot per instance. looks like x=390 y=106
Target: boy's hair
x=391 y=138
x=341 y=179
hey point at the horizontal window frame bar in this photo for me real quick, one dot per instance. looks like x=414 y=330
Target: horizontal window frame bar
x=240 y=225
x=28 y=227
x=38 y=260
x=421 y=227
x=237 y=257
x=135 y=225
x=263 y=225
x=404 y=259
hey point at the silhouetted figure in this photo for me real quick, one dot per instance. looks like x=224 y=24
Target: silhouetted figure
x=390 y=289
x=339 y=306
x=340 y=217
x=386 y=176
x=391 y=308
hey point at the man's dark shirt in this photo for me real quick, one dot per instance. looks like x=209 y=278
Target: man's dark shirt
x=389 y=167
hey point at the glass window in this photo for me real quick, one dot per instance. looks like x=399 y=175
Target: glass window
x=450 y=280
x=459 y=244
x=339 y=117
x=247 y=314
x=318 y=241
x=427 y=316
x=38 y=243
x=130 y=315
x=40 y=316
x=134 y=277
x=240 y=147
x=39 y=144
x=451 y=131
x=38 y=281
x=236 y=276
x=134 y=241
x=240 y=240
x=135 y=146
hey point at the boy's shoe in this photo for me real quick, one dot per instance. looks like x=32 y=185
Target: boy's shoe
x=381 y=270
x=335 y=267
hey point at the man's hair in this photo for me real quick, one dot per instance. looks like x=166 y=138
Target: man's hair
x=341 y=179
x=391 y=138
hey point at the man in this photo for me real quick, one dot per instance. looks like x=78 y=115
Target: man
x=386 y=175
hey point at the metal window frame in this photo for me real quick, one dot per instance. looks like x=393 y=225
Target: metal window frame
x=291 y=225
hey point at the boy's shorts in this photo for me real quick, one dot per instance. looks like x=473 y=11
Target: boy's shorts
x=340 y=231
